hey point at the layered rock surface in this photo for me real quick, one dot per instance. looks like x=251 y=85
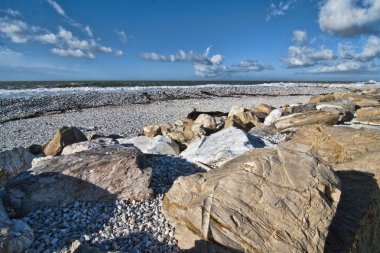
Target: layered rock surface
x=94 y=175
x=267 y=200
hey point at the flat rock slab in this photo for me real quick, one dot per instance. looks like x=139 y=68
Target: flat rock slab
x=159 y=145
x=94 y=175
x=267 y=200
x=291 y=122
x=368 y=116
x=218 y=148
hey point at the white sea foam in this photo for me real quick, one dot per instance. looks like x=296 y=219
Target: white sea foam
x=39 y=92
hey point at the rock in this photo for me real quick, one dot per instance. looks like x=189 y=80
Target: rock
x=15 y=235
x=36 y=149
x=179 y=131
x=99 y=174
x=291 y=122
x=369 y=116
x=339 y=144
x=13 y=162
x=358 y=100
x=298 y=108
x=160 y=145
x=152 y=130
x=64 y=137
x=86 y=145
x=267 y=200
x=344 y=107
x=205 y=122
x=321 y=98
x=215 y=150
x=355 y=154
x=270 y=133
x=274 y=115
x=264 y=108
x=194 y=114
x=235 y=110
x=242 y=120
x=79 y=247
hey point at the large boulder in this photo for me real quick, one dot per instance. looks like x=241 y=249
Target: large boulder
x=204 y=122
x=355 y=154
x=263 y=108
x=94 y=175
x=13 y=162
x=64 y=137
x=267 y=200
x=15 y=235
x=369 y=116
x=159 y=145
x=215 y=150
x=344 y=107
x=291 y=122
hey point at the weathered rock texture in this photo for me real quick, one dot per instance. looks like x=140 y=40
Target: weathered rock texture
x=370 y=116
x=356 y=155
x=64 y=137
x=13 y=162
x=215 y=150
x=160 y=145
x=267 y=200
x=93 y=175
x=291 y=122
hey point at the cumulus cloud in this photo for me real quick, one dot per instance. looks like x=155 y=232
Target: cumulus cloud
x=16 y=30
x=58 y=8
x=302 y=56
x=77 y=53
x=299 y=36
x=119 y=53
x=280 y=8
x=369 y=52
x=350 y=17
x=122 y=36
x=351 y=66
x=205 y=65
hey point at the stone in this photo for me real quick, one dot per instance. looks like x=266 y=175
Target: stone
x=64 y=137
x=205 y=122
x=242 y=120
x=159 y=145
x=270 y=133
x=274 y=115
x=152 y=130
x=79 y=247
x=36 y=149
x=291 y=122
x=87 y=145
x=321 y=98
x=235 y=110
x=99 y=174
x=193 y=115
x=369 y=116
x=264 y=108
x=13 y=162
x=179 y=131
x=358 y=100
x=15 y=235
x=355 y=155
x=213 y=151
x=297 y=108
x=344 y=107
x=267 y=200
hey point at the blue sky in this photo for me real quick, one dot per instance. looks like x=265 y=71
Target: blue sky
x=189 y=40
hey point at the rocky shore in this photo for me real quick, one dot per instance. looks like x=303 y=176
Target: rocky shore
x=296 y=177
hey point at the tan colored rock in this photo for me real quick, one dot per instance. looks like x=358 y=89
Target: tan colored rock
x=358 y=100
x=339 y=144
x=64 y=137
x=100 y=174
x=356 y=154
x=264 y=108
x=235 y=110
x=266 y=200
x=243 y=120
x=321 y=98
x=205 y=122
x=369 y=116
x=152 y=130
x=293 y=121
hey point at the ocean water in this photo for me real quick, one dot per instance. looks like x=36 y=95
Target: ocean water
x=33 y=89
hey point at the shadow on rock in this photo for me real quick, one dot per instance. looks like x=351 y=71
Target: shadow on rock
x=356 y=222
x=202 y=246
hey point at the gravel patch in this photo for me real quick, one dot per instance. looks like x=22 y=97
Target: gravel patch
x=126 y=120
x=127 y=226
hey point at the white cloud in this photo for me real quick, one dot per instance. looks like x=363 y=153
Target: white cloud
x=299 y=36
x=58 y=8
x=122 y=36
x=11 y=12
x=16 y=30
x=280 y=8
x=104 y=49
x=302 y=56
x=371 y=49
x=352 y=67
x=77 y=53
x=119 y=53
x=47 y=38
x=206 y=66
x=350 y=17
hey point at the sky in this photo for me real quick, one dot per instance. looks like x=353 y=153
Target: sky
x=297 y=40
